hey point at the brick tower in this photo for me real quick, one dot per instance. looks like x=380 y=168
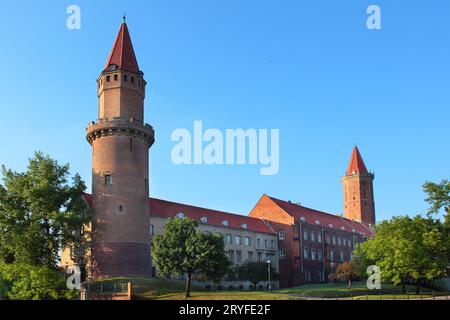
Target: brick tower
x=359 y=202
x=120 y=167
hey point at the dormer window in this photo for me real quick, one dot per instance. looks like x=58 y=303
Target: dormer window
x=180 y=215
x=303 y=219
x=225 y=223
x=330 y=225
x=318 y=222
x=204 y=220
x=244 y=226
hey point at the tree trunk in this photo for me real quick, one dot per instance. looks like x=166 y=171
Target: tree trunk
x=349 y=284
x=418 y=286
x=188 y=285
x=403 y=287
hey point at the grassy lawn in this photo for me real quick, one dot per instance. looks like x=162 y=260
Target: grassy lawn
x=161 y=289
x=358 y=291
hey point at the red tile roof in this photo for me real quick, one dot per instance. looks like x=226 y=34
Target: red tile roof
x=356 y=163
x=122 y=53
x=325 y=219
x=167 y=209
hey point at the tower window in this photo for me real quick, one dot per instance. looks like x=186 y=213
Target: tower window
x=108 y=78
x=108 y=180
x=125 y=78
x=115 y=77
x=132 y=79
x=120 y=208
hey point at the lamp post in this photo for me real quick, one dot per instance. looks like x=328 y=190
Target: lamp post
x=332 y=272
x=268 y=270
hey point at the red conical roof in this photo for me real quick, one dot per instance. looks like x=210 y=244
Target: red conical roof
x=356 y=163
x=122 y=53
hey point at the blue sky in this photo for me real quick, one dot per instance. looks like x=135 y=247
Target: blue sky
x=310 y=68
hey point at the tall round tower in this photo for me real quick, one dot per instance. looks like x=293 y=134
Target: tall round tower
x=359 y=203
x=120 y=168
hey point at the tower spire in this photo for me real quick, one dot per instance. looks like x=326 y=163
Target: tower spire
x=356 y=165
x=122 y=53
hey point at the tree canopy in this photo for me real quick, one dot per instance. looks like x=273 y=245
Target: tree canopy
x=40 y=212
x=182 y=249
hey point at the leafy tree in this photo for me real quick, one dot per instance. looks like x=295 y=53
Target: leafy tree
x=40 y=212
x=255 y=272
x=182 y=249
x=361 y=262
x=408 y=249
x=26 y=282
x=346 y=272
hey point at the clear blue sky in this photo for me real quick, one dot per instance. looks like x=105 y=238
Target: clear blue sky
x=308 y=67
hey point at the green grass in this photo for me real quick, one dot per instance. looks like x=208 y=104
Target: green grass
x=161 y=289
x=358 y=291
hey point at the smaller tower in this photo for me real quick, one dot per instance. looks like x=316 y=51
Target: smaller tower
x=359 y=201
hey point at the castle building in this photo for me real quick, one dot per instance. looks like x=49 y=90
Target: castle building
x=304 y=245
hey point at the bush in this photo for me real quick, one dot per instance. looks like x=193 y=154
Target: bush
x=27 y=282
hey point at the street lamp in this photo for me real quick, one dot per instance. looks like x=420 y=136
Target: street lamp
x=268 y=270
x=332 y=272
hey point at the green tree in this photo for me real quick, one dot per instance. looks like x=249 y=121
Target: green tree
x=183 y=250
x=255 y=272
x=26 y=282
x=40 y=212
x=346 y=272
x=408 y=249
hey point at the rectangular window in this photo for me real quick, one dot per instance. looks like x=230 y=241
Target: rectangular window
x=238 y=240
x=250 y=256
x=132 y=79
x=306 y=253
x=108 y=180
x=341 y=256
x=339 y=241
x=281 y=235
x=125 y=78
x=108 y=78
x=305 y=235
x=228 y=239
x=313 y=254
x=152 y=230
x=231 y=256
x=319 y=237
x=319 y=255
x=238 y=257
x=282 y=253
x=265 y=244
x=313 y=236
x=328 y=239
x=334 y=240
x=248 y=241
x=272 y=244
x=258 y=242
x=259 y=256
x=115 y=77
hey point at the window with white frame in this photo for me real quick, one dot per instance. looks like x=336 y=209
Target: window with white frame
x=228 y=239
x=313 y=236
x=319 y=237
x=306 y=253
x=313 y=254
x=305 y=234
x=281 y=235
x=238 y=240
x=282 y=253
x=341 y=256
x=248 y=241
x=319 y=255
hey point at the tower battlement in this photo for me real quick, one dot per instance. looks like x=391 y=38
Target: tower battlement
x=120 y=126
